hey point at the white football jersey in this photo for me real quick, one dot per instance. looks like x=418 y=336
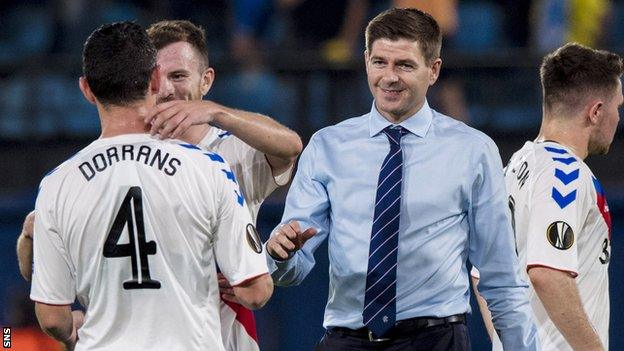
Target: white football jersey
x=257 y=182
x=132 y=226
x=251 y=167
x=561 y=221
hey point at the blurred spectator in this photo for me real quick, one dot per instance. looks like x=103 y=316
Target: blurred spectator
x=586 y=21
x=337 y=35
x=444 y=12
x=251 y=38
x=556 y=22
x=73 y=20
x=343 y=46
x=251 y=19
x=448 y=93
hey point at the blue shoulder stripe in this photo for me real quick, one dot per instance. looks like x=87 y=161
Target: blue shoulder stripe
x=566 y=178
x=190 y=146
x=564 y=160
x=555 y=150
x=215 y=157
x=562 y=200
x=229 y=175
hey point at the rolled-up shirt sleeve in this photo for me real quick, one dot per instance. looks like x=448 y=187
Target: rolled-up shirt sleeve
x=492 y=251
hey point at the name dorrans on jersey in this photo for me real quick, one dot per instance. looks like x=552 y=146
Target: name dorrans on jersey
x=144 y=153
x=561 y=220
x=132 y=227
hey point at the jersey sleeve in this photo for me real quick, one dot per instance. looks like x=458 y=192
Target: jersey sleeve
x=556 y=216
x=254 y=172
x=238 y=247
x=53 y=278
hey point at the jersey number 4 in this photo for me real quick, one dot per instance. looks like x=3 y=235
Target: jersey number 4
x=131 y=214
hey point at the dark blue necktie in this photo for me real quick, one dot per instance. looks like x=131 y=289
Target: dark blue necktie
x=380 y=297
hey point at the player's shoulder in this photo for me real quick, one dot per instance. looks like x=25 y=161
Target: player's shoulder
x=196 y=153
x=558 y=160
x=217 y=139
x=554 y=167
x=60 y=172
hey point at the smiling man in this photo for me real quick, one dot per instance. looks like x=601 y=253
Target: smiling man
x=404 y=195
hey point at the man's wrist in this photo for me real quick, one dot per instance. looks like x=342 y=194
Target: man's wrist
x=219 y=115
x=280 y=260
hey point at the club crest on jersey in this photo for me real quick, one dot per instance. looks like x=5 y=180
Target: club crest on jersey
x=560 y=235
x=253 y=239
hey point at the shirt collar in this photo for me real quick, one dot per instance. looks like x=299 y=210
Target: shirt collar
x=417 y=123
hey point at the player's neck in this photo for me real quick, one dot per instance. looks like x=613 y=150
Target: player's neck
x=119 y=120
x=564 y=132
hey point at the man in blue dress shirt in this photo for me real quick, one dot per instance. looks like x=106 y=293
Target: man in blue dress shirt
x=405 y=195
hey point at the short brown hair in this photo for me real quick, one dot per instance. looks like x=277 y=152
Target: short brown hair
x=573 y=71
x=411 y=24
x=164 y=33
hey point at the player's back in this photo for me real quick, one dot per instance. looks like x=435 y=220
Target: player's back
x=136 y=219
x=561 y=221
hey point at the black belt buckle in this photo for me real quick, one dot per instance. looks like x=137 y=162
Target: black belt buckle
x=371 y=337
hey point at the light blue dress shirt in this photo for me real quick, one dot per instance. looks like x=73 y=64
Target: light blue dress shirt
x=453 y=208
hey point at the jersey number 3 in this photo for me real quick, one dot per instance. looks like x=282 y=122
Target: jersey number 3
x=131 y=213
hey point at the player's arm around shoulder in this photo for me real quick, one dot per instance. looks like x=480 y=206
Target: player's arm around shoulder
x=280 y=144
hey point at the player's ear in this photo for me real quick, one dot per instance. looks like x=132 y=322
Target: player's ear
x=434 y=71
x=595 y=108
x=86 y=90
x=206 y=80
x=155 y=81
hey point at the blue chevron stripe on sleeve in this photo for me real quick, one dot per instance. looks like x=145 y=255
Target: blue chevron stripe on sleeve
x=190 y=146
x=566 y=178
x=229 y=175
x=555 y=150
x=561 y=200
x=564 y=160
x=215 y=157
x=239 y=198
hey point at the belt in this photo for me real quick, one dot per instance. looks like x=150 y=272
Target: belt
x=402 y=329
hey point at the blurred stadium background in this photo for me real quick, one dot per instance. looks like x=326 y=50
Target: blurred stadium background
x=299 y=61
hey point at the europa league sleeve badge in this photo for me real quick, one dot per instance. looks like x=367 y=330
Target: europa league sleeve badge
x=253 y=239
x=560 y=235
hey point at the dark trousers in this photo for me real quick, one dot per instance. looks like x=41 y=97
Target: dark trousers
x=450 y=337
